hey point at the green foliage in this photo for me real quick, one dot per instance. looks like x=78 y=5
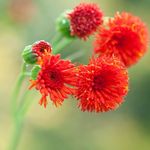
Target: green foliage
x=35 y=72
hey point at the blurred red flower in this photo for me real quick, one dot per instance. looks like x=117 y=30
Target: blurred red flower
x=125 y=36
x=22 y=11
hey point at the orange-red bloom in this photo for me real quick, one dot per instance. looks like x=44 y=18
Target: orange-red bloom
x=40 y=47
x=101 y=85
x=125 y=36
x=54 y=79
x=85 y=19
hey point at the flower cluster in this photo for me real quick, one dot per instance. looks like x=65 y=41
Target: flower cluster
x=102 y=84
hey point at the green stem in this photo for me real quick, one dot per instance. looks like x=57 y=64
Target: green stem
x=18 y=121
x=25 y=106
x=23 y=100
x=18 y=88
x=62 y=44
x=18 y=118
x=75 y=55
x=16 y=134
x=56 y=39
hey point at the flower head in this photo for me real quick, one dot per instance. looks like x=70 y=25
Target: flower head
x=54 y=79
x=101 y=85
x=125 y=36
x=85 y=20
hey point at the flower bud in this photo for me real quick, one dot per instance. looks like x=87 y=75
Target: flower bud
x=28 y=55
x=33 y=52
x=63 y=25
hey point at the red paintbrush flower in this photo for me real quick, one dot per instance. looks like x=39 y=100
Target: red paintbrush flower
x=85 y=19
x=54 y=79
x=125 y=36
x=101 y=85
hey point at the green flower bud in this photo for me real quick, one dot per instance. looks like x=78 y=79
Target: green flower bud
x=63 y=25
x=28 y=55
x=34 y=72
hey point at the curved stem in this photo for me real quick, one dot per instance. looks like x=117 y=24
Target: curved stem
x=18 y=88
x=18 y=121
x=62 y=44
x=23 y=100
x=16 y=135
x=25 y=106
x=56 y=39
x=75 y=55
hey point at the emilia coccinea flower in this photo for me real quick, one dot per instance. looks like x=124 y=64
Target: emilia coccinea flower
x=101 y=85
x=54 y=79
x=125 y=36
x=85 y=20
x=33 y=52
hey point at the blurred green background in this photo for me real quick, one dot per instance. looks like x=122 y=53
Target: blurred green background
x=22 y=22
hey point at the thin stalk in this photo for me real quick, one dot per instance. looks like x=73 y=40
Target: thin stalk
x=18 y=121
x=56 y=39
x=62 y=44
x=23 y=100
x=75 y=55
x=16 y=134
x=25 y=106
x=18 y=88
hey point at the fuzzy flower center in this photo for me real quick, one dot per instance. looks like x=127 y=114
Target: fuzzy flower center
x=42 y=50
x=125 y=40
x=54 y=76
x=53 y=79
x=98 y=82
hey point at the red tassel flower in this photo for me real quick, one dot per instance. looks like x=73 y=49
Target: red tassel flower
x=85 y=20
x=54 y=79
x=125 y=36
x=101 y=85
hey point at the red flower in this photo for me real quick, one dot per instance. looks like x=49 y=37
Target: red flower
x=101 y=85
x=54 y=79
x=125 y=36
x=41 y=47
x=85 y=19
